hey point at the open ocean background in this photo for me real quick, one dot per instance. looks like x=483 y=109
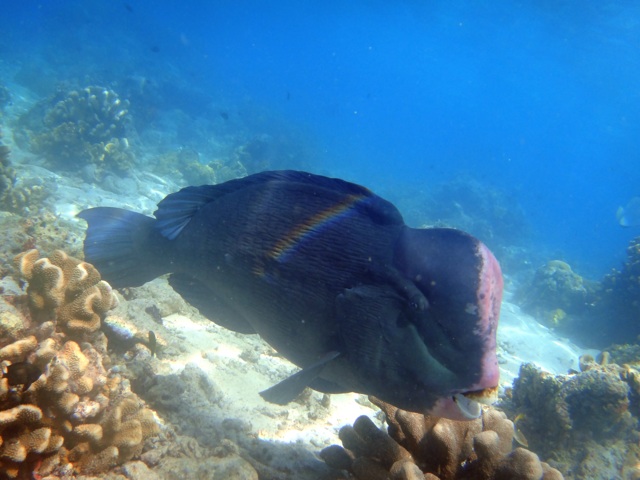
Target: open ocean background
x=538 y=100
x=516 y=121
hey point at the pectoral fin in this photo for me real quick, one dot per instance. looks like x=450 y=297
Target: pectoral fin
x=288 y=389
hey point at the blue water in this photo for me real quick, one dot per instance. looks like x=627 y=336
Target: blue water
x=539 y=100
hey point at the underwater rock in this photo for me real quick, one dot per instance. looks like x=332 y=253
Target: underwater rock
x=421 y=446
x=570 y=418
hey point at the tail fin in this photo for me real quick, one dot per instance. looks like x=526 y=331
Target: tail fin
x=121 y=245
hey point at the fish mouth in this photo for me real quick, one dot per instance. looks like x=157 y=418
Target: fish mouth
x=470 y=403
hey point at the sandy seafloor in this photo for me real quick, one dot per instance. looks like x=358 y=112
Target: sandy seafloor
x=210 y=376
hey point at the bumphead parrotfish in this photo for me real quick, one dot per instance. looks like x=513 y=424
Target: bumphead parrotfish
x=330 y=276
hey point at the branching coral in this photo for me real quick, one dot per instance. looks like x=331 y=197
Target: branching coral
x=424 y=447
x=66 y=287
x=76 y=416
x=80 y=126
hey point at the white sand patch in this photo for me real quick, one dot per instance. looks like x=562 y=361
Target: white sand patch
x=521 y=339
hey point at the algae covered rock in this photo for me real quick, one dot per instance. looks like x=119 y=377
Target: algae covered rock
x=556 y=286
x=570 y=419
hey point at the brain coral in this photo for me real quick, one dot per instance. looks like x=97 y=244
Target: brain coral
x=67 y=288
x=423 y=447
x=77 y=416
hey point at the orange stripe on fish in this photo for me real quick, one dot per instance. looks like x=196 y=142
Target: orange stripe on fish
x=312 y=226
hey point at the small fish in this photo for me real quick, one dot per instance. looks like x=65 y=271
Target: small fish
x=153 y=343
x=329 y=274
x=224 y=115
x=22 y=373
x=155 y=314
x=518 y=436
x=629 y=216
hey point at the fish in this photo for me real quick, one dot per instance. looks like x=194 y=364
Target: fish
x=22 y=373
x=153 y=343
x=629 y=216
x=330 y=276
x=518 y=436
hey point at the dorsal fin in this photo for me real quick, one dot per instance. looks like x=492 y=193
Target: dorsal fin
x=177 y=209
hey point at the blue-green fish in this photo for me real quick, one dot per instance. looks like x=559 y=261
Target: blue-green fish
x=330 y=276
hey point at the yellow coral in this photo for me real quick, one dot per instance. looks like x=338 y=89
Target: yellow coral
x=74 y=415
x=556 y=317
x=18 y=349
x=67 y=287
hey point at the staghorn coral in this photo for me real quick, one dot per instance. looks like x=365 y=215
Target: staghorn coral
x=77 y=417
x=82 y=126
x=424 y=447
x=66 y=287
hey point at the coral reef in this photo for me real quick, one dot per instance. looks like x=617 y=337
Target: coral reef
x=469 y=204
x=44 y=230
x=616 y=311
x=584 y=424
x=625 y=353
x=568 y=302
x=77 y=416
x=185 y=164
x=556 y=293
x=80 y=127
x=13 y=198
x=67 y=288
x=424 y=447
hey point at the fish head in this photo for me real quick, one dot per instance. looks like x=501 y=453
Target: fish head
x=458 y=285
